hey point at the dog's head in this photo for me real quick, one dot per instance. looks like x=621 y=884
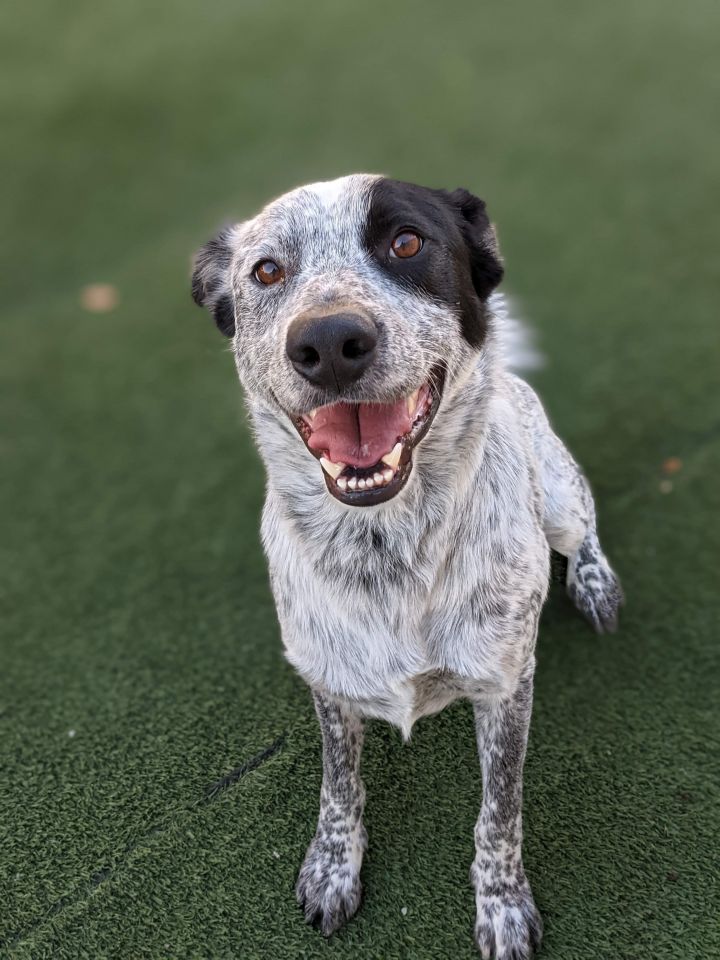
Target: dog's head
x=351 y=306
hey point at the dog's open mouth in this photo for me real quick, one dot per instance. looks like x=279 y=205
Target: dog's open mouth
x=365 y=449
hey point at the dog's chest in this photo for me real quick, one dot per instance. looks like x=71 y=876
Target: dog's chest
x=402 y=618
x=401 y=640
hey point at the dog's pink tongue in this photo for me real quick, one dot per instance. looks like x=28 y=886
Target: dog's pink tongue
x=358 y=433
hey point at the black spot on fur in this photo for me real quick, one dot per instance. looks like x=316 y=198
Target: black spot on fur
x=459 y=262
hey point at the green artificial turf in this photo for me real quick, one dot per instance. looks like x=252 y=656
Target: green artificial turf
x=159 y=762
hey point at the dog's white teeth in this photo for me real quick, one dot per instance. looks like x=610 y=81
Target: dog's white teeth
x=375 y=480
x=312 y=414
x=334 y=469
x=412 y=402
x=392 y=459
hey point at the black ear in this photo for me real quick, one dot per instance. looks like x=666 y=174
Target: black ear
x=485 y=262
x=211 y=280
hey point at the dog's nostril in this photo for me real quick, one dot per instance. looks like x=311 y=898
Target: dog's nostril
x=356 y=348
x=309 y=357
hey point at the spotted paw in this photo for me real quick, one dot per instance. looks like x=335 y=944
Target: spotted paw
x=508 y=925
x=328 y=887
x=594 y=589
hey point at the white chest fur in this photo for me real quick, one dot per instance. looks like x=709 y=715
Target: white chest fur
x=404 y=636
x=401 y=609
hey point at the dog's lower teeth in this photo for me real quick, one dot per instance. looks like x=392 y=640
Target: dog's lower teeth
x=378 y=479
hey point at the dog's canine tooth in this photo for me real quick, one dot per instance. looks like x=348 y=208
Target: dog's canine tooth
x=342 y=483
x=388 y=474
x=379 y=479
x=392 y=459
x=312 y=414
x=352 y=483
x=412 y=402
x=334 y=469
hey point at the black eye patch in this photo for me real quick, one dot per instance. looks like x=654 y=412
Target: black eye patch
x=455 y=264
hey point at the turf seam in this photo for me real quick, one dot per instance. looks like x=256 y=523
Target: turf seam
x=211 y=793
x=230 y=779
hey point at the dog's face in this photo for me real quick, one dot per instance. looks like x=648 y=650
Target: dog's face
x=351 y=305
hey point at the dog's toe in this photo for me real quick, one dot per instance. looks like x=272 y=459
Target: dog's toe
x=598 y=601
x=508 y=927
x=328 y=892
x=594 y=588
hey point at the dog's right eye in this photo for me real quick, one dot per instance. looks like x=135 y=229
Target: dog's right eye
x=268 y=272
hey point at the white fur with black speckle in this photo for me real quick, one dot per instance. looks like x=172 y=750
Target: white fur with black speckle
x=396 y=610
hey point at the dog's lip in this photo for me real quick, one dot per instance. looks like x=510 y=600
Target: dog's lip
x=407 y=443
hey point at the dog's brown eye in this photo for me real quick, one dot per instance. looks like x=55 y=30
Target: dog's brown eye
x=269 y=272
x=406 y=244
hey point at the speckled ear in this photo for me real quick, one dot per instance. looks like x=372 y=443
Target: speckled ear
x=211 y=280
x=481 y=238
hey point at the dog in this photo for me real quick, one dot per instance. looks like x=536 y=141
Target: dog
x=415 y=490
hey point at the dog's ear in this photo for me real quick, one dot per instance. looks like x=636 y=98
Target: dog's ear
x=485 y=261
x=211 y=285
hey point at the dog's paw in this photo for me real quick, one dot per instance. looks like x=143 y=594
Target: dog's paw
x=328 y=887
x=594 y=589
x=508 y=925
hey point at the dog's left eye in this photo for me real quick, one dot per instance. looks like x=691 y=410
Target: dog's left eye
x=406 y=244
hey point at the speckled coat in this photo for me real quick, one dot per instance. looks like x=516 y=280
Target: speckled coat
x=395 y=610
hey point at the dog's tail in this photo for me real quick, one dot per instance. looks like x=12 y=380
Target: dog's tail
x=515 y=338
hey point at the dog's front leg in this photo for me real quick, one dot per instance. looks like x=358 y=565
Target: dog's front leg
x=328 y=887
x=508 y=924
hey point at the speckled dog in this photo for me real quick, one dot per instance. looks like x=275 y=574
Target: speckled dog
x=415 y=489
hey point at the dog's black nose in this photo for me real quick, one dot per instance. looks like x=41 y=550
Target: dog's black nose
x=332 y=351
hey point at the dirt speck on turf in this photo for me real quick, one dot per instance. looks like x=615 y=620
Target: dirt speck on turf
x=99 y=297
